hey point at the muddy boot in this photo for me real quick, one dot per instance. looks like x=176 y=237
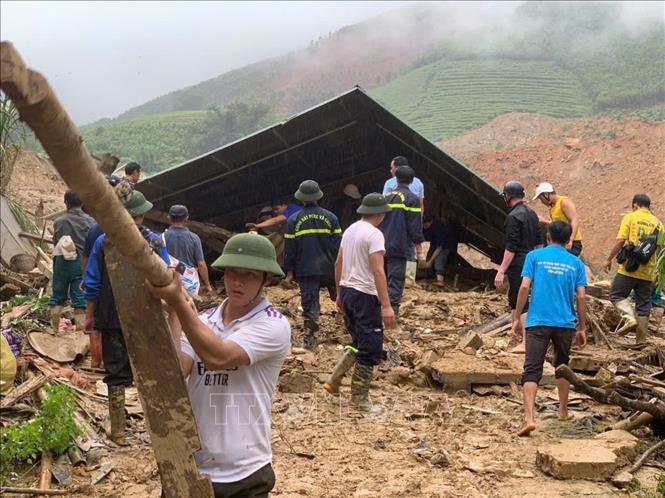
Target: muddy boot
x=362 y=376
x=56 y=314
x=311 y=332
x=343 y=365
x=656 y=320
x=629 y=322
x=642 y=329
x=117 y=414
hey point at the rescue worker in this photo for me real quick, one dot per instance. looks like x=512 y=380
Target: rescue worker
x=634 y=228
x=402 y=228
x=362 y=296
x=101 y=314
x=312 y=240
x=562 y=208
x=232 y=356
x=69 y=232
x=522 y=233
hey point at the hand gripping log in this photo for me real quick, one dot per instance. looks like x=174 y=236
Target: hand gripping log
x=171 y=423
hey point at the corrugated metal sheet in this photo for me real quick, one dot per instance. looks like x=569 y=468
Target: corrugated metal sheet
x=350 y=138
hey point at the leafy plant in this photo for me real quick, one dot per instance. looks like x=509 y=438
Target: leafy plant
x=52 y=431
x=11 y=136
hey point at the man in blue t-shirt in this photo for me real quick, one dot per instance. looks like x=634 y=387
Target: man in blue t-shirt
x=559 y=279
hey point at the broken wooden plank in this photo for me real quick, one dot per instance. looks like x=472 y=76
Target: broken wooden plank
x=488 y=327
x=27 y=387
x=170 y=419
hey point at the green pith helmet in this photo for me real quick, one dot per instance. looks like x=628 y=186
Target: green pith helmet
x=373 y=203
x=308 y=191
x=137 y=204
x=249 y=251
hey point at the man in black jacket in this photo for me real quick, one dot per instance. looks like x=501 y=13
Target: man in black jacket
x=311 y=240
x=401 y=228
x=522 y=234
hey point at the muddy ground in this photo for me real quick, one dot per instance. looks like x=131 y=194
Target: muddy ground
x=423 y=441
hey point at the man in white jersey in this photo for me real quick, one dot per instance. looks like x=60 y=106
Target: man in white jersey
x=233 y=355
x=362 y=295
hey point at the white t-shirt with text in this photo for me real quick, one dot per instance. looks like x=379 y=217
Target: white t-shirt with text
x=359 y=241
x=233 y=407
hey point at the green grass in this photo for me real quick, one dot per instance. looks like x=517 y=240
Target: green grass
x=447 y=97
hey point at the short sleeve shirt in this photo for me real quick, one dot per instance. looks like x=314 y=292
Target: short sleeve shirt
x=555 y=276
x=291 y=209
x=233 y=406
x=359 y=241
x=184 y=245
x=634 y=227
x=416 y=186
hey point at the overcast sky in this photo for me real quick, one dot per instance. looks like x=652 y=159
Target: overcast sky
x=104 y=57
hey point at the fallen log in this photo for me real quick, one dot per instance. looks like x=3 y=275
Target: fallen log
x=488 y=327
x=633 y=422
x=40 y=109
x=32 y=491
x=610 y=398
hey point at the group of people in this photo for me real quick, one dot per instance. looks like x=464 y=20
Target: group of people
x=232 y=354
x=546 y=285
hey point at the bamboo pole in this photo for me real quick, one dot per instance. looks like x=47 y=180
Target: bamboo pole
x=39 y=107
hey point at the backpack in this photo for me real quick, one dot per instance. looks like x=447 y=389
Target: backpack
x=646 y=248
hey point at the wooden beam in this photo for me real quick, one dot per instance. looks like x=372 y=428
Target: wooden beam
x=171 y=423
x=204 y=230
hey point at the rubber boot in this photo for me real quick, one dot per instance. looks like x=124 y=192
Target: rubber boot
x=56 y=314
x=343 y=365
x=627 y=316
x=642 y=329
x=117 y=414
x=656 y=319
x=362 y=376
x=311 y=331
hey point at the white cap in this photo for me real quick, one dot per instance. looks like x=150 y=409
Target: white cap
x=352 y=191
x=543 y=188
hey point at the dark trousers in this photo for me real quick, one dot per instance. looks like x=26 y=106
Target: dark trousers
x=362 y=316
x=537 y=341
x=396 y=275
x=623 y=285
x=256 y=485
x=67 y=278
x=514 y=276
x=309 y=295
x=116 y=360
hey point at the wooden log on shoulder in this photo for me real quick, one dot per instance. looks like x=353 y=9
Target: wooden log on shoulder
x=202 y=229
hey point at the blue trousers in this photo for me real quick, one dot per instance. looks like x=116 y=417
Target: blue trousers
x=362 y=316
x=396 y=274
x=309 y=296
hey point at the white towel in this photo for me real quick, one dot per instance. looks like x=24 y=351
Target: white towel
x=65 y=248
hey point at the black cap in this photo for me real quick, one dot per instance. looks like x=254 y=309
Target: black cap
x=178 y=211
x=405 y=174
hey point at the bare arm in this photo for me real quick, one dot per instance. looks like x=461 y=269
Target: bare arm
x=216 y=354
x=435 y=255
x=203 y=271
x=376 y=264
x=570 y=211
x=580 y=335
x=618 y=245
x=338 y=268
x=280 y=218
x=522 y=296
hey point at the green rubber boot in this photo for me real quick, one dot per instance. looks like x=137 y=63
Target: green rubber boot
x=345 y=363
x=362 y=377
x=642 y=329
x=117 y=414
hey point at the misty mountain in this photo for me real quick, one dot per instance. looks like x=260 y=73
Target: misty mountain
x=441 y=68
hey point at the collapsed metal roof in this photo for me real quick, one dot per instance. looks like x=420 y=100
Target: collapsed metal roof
x=348 y=139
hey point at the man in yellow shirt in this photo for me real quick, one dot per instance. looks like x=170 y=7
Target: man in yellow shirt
x=634 y=228
x=562 y=208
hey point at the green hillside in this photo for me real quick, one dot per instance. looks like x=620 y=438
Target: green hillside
x=447 y=97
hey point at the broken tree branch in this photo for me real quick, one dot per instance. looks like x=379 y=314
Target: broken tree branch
x=612 y=397
x=33 y=491
x=39 y=107
x=633 y=422
x=645 y=456
x=27 y=387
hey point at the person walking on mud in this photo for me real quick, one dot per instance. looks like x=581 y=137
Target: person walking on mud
x=562 y=208
x=232 y=355
x=362 y=297
x=522 y=234
x=312 y=240
x=559 y=283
